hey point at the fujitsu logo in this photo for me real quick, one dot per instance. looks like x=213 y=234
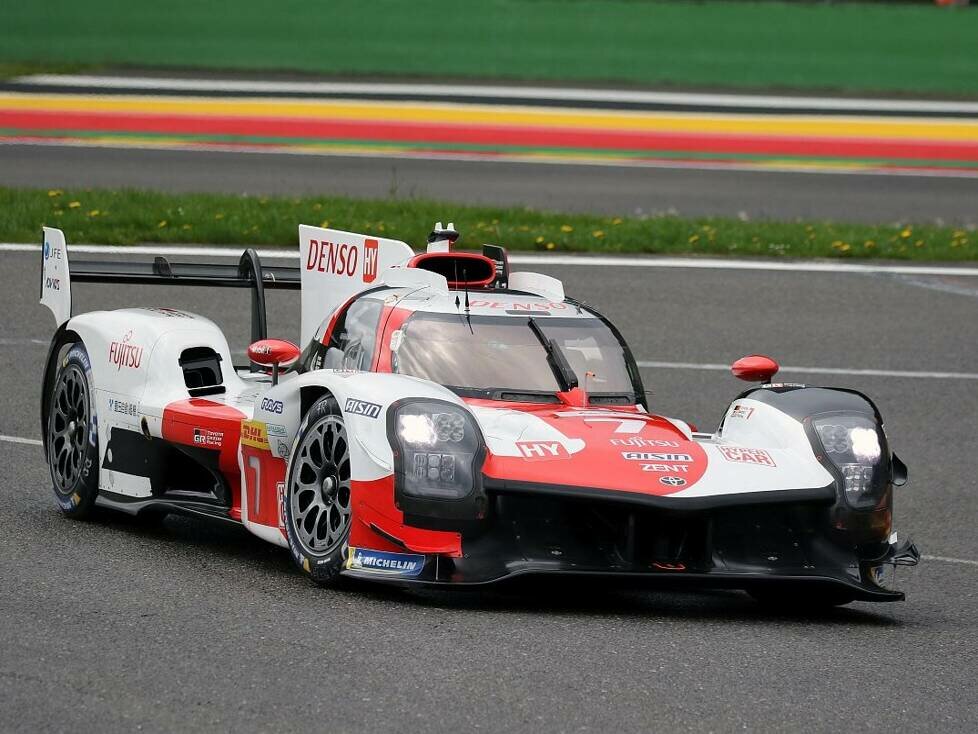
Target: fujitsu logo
x=125 y=354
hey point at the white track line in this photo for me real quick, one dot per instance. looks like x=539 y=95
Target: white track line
x=946 y=559
x=732 y=101
x=18 y=439
x=817 y=370
x=24 y=342
x=705 y=263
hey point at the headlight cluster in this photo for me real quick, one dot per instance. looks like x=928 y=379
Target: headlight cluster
x=855 y=445
x=437 y=446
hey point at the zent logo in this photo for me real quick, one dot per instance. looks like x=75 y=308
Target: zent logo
x=329 y=257
x=371 y=255
x=272 y=406
x=542 y=450
x=125 y=354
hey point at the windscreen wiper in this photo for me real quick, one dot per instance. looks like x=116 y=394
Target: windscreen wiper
x=566 y=377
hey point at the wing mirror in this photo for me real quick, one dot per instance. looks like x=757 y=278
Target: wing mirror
x=755 y=368
x=274 y=353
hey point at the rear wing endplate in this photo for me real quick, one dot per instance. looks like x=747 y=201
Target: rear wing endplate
x=57 y=277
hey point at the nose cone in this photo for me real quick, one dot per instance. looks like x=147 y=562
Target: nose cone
x=597 y=449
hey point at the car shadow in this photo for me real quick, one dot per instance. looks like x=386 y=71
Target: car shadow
x=549 y=596
x=575 y=598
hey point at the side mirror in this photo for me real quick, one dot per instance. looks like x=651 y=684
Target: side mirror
x=755 y=368
x=274 y=353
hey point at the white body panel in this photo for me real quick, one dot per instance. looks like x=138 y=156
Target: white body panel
x=135 y=357
x=336 y=265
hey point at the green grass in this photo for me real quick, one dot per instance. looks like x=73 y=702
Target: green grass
x=127 y=217
x=876 y=47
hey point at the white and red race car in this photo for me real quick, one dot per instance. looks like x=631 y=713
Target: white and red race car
x=449 y=422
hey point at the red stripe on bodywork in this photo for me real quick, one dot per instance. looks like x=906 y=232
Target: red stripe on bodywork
x=373 y=505
x=183 y=417
x=613 y=458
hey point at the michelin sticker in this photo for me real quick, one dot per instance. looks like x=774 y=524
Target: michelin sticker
x=382 y=562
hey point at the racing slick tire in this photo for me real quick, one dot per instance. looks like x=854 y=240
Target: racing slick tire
x=71 y=435
x=317 y=497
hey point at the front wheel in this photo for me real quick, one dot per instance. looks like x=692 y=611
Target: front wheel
x=317 y=501
x=71 y=438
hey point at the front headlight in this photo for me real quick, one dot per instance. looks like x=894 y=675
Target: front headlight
x=854 y=444
x=436 y=445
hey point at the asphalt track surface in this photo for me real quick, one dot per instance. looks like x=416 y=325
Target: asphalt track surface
x=110 y=625
x=610 y=189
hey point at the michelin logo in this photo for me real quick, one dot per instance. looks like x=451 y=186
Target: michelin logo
x=389 y=564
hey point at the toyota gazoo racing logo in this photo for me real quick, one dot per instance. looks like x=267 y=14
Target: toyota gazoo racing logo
x=344 y=259
x=125 y=354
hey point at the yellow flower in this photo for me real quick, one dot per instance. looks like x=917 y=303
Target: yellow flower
x=616 y=221
x=55 y=192
x=551 y=245
x=598 y=234
x=694 y=239
x=918 y=243
x=186 y=226
x=869 y=244
x=906 y=233
x=566 y=228
x=317 y=207
x=94 y=213
x=162 y=224
x=540 y=240
x=219 y=215
x=324 y=223
x=74 y=204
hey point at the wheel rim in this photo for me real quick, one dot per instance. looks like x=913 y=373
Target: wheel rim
x=68 y=428
x=320 y=492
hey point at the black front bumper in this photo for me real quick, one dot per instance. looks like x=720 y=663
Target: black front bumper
x=735 y=546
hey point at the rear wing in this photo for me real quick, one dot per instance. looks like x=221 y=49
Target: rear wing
x=57 y=277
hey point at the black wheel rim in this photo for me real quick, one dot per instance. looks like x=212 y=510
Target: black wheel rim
x=68 y=428
x=319 y=497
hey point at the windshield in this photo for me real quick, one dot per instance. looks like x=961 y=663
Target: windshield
x=501 y=353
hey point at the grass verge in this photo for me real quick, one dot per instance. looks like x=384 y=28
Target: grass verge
x=817 y=46
x=127 y=217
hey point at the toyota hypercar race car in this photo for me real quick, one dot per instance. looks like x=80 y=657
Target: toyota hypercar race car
x=451 y=423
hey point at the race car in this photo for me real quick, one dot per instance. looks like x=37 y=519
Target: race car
x=448 y=422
